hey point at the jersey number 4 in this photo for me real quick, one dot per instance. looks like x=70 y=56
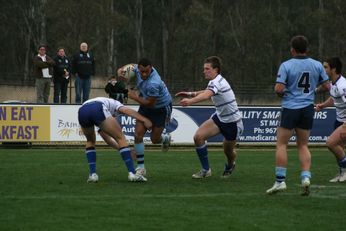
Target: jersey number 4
x=304 y=82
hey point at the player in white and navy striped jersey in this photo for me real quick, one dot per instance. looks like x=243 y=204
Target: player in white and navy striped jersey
x=100 y=112
x=226 y=119
x=336 y=141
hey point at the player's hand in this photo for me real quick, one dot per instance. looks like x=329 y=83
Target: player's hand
x=132 y=94
x=185 y=102
x=318 y=107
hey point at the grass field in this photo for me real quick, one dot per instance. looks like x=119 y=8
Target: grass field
x=47 y=190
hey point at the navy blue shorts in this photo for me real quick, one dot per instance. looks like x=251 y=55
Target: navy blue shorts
x=337 y=124
x=297 y=118
x=228 y=130
x=158 y=116
x=91 y=114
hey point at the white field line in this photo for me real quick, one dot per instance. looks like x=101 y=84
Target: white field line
x=328 y=192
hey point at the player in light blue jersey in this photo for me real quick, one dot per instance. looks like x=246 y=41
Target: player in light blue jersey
x=296 y=82
x=155 y=103
x=226 y=120
x=100 y=112
x=337 y=140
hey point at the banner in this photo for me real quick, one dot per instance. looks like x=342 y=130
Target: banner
x=24 y=123
x=60 y=123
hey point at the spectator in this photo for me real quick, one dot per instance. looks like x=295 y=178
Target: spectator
x=61 y=76
x=43 y=70
x=116 y=90
x=83 y=67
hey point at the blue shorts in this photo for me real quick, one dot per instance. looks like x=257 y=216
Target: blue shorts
x=158 y=116
x=337 y=124
x=91 y=114
x=297 y=118
x=228 y=130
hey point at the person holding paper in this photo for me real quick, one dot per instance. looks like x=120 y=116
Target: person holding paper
x=61 y=77
x=43 y=70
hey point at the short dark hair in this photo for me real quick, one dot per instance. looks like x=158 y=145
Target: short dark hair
x=59 y=48
x=42 y=45
x=300 y=43
x=144 y=62
x=215 y=62
x=335 y=63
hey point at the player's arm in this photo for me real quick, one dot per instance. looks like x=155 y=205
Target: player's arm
x=323 y=87
x=136 y=115
x=328 y=103
x=280 y=89
x=148 y=102
x=200 y=96
x=188 y=93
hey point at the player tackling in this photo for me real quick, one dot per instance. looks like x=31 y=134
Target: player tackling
x=226 y=119
x=101 y=112
x=337 y=140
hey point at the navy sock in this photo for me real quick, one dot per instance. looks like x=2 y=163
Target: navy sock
x=342 y=163
x=91 y=157
x=126 y=155
x=202 y=153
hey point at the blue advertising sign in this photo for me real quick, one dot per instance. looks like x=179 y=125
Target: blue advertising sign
x=260 y=123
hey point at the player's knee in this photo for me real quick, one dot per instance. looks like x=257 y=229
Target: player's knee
x=330 y=144
x=198 y=139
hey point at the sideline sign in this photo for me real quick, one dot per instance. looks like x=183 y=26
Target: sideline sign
x=60 y=123
x=24 y=123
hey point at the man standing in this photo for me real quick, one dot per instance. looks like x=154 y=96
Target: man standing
x=226 y=119
x=83 y=67
x=61 y=78
x=296 y=82
x=337 y=140
x=155 y=103
x=43 y=70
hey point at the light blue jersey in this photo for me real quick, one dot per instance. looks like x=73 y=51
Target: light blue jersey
x=301 y=75
x=153 y=86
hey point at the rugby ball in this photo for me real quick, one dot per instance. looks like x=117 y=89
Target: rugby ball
x=128 y=72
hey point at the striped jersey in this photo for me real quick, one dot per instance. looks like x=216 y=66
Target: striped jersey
x=224 y=100
x=110 y=106
x=338 y=93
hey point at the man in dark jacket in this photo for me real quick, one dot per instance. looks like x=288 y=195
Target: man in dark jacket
x=83 y=67
x=116 y=90
x=43 y=70
x=61 y=75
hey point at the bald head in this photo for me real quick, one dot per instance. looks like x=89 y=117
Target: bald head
x=83 y=47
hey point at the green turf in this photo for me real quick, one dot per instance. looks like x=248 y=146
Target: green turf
x=47 y=190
